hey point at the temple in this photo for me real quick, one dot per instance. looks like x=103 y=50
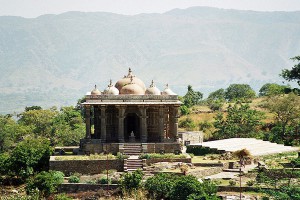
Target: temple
x=128 y=113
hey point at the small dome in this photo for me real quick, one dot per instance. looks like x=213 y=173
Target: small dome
x=127 y=79
x=132 y=88
x=95 y=91
x=152 y=90
x=111 y=90
x=168 y=91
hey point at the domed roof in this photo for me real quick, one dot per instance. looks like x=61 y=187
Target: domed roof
x=95 y=91
x=152 y=90
x=126 y=80
x=111 y=90
x=168 y=91
x=132 y=88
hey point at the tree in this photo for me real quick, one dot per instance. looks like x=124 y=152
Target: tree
x=217 y=95
x=241 y=121
x=272 y=89
x=192 y=97
x=240 y=92
x=286 y=110
x=294 y=73
x=30 y=155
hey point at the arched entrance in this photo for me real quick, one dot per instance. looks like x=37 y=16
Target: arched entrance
x=132 y=124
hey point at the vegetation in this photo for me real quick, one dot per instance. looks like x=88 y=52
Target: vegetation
x=294 y=73
x=239 y=92
x=131 y=181
x=273 y=89
x=161 y=156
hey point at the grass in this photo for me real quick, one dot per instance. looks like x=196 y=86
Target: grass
x=84 y=157
x=200 y=159
x=162 y=156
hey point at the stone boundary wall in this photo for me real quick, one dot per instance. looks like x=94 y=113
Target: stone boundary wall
x=209 y=164
x=237 y=189
x=83 y=187
x=166 y=147
x=85 y=166
x=206 y=172
x=156 y=160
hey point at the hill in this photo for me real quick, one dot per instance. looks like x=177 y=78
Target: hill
x=55 y=59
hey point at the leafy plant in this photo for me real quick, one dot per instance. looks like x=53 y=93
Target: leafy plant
x=132 y=181
x=74 y=179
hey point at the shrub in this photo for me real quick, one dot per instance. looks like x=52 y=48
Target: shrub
x=188 y=124
x=74 y=179
x=185 y=186
x=250 y=182
x=200 y=151
x=45 y=182
x=232 y=183
x=121 y=156
x=132 y=181
x=62 y=197
x=160 y=185
x=157 y=155
x=103 y=180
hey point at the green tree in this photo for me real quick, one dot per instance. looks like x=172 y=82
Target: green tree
x=217 y=95
x=30 y=155
x=45 y=182
x=286 y=111
x=241 y=121
x=272 y=89
x=192 y=97
x=239 y=92
x=294 y=73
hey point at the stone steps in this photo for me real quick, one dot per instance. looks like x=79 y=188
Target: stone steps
x=132 y=149
x=133 y=164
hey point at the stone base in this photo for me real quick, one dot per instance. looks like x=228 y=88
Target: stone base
x=90 y=146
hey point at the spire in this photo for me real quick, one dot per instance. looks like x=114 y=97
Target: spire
x=167 y=85
x=152 y=84
x=110 y=83
x=95 y=87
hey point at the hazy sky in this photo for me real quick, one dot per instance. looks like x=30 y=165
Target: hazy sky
x=34 y=8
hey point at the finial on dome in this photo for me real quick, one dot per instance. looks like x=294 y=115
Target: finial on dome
x=129 y=72
x=167 y=85
x=152 y=84
x=95 y=87
x=110 y=83
x=131 y=79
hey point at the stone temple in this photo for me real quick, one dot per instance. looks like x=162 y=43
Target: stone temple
x=127 y=116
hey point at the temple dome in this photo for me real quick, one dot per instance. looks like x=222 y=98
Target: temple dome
x=127 y=79
x=152 y=90
x=111 y=90
x=132 y=88
x=168 y=91
x=95 y=91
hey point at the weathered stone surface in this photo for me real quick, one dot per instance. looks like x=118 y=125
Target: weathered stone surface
x=85 y=166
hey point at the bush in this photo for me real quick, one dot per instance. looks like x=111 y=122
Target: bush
x=74 y=179
x=103 y=180
x=200 y=151
x=45 y=182
x=232 y=183
x=250 y=182
x=121 y=156
x=132 y=181
x=185 y=186
x=62 y=197
x=160 y=185
x=188 y=124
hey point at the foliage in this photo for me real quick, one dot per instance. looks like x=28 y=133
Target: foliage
x=217 y=95
x=188 y=124
x=184 y=110
x=294 y=73
x=162 y=156
x=241 y=154
x=160 y=185
x=200 y=151
x=74 y=179
x=103 y=180
x=5 y=164
x=121 y=156
x=272 y=89
x=216 y=105
x=241 y=121
x=30 y=155
x=131 y=181
x=192 y=97
x=240 y=92
x=62 y=197
x=232 y=183
x=45 y=182
x=286 y=111
x=85 y=157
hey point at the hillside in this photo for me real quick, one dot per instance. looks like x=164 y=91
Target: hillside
x=55 y=59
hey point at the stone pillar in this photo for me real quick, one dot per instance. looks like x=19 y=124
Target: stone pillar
x=176 y=122
x=103 y=124
x=161 y=123
x=121 y=123
x=96 y=122
x=143 y=117
x=88 y=121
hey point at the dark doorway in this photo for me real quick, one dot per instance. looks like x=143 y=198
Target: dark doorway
x=132 y=123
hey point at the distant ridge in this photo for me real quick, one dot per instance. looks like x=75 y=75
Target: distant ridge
x=55 y=59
